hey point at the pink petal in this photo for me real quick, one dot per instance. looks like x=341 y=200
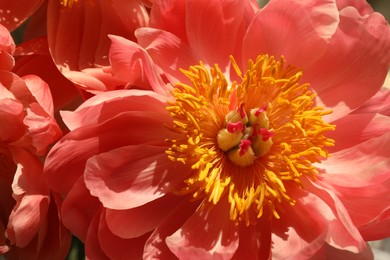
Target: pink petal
x=366 y=162
x=366 y=186
x=93 y=249
x=255 y=241
x=337 y=254
x=208 y=233
x=342 y=233
x=213 y=29
x=298 y=30
x=94 y=80
x=170 y=16
x=14 y=13
x=132 y=176
x=69 y=156
x=377 y=228
x=34 y=58
x=349 y=82
x=302 y=228
x=40 y=90
x=87 y=25
x=79 y=204
x=11 y=115
x=119 y=248
x=155 y=246
x=168 y=51
x=132 y=64
x=106 y=105
x=32 y=199
x=380 y=103
x=138 y=221
x=7 y=48
x=42 y=128
x=356 y=128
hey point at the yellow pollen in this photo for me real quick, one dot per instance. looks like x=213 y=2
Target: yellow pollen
x=250 y=142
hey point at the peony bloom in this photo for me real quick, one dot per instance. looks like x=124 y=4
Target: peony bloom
x=77 y=33
x=29 y=223
x=261 y=136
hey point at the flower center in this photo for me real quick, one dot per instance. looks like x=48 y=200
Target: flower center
x=251 y=142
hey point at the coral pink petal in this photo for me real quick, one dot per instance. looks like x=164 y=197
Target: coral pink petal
x=93 y=248
x=131 y=176
x=7 y=48
x=138 y=221
x=302 y=229
x=255 y=241
x=42 y=128
x=365 y=185
x=337 y=254
x=168 y=51
x=353 y=162
x=34 y=58
x=155 y=246
x=213 y=29
x=41 y=91
x=79 y=204
x=342 y=233
x=106 y=105
x=94 y=80
x=349 y=81
x=380 y=103
x=11 y=115
x=119 y=248
x=208 y=233
x=87 y=24
x=298 y=30
x=377 y=228
x=356 y=128
x=14 y=13
x=68 y=156
x=133 y=64
x=170 y=16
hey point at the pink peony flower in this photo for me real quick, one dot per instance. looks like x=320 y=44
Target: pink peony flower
x=29 y=222
x=262 y=136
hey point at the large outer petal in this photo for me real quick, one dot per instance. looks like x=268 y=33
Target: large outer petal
x=155 y=246
x=380 y=103
x=302 y=229
x=170 y=16
x=79 y=204
x=356 y=128
x=355 y=64
x=131 y=176
x=138 y=221
x=208 y=233
x=68 y=157
x=117 y=247
x=299 y=30
x=213 y=29
x=360 y=177
x=104 y=107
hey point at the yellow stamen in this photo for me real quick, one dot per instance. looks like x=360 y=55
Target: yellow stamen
x=253 y=154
